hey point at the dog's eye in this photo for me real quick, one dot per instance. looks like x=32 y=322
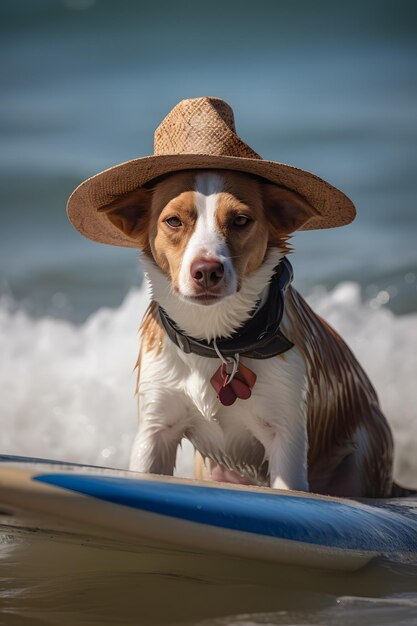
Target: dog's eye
x=240 y=221
x=174 y=221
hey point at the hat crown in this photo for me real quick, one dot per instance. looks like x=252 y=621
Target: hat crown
x=201 y=126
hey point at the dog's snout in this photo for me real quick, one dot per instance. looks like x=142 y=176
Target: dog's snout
x=207 y=272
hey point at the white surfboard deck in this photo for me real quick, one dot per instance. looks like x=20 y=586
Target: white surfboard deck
x=285 y=527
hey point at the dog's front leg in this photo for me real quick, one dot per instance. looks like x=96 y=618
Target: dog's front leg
x=287 y=459
x=162 y=425
x=280 y=419
x=284 y=438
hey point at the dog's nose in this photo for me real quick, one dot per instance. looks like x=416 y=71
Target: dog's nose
x=207 y=272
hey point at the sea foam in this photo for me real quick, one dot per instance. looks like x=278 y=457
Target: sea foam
x=67 y=391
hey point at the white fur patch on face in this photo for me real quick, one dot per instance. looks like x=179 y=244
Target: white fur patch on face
x=207 y=241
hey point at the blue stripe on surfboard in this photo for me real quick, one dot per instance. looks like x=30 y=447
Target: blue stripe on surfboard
x=13 y=458
x=298 y=518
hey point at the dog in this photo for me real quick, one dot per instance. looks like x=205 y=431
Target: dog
x=213 y=241
x=232 y=357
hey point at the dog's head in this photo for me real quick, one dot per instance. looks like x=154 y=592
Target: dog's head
x=209 y=229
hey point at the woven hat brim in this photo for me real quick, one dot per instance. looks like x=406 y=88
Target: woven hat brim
x=334 y=208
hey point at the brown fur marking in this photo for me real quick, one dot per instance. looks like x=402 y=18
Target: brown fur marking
x=151 y=334
x=340 y=399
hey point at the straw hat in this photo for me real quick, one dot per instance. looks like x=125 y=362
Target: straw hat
x=197 y=134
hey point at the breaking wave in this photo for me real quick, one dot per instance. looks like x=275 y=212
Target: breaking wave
x=67 y=390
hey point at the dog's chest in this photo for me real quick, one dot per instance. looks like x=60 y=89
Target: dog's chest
x=176 y=394
x=276 y=395
x=236 y=436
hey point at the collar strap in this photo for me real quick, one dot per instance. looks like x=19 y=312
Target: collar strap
x=260 y=336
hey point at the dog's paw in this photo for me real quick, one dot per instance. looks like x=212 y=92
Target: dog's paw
x=279 y=483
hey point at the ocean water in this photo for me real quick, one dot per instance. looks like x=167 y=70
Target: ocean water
x=331 y=91
x=328 y=87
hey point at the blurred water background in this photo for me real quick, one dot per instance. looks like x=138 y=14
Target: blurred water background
x=327 y=86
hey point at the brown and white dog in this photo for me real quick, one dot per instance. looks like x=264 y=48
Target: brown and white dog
x=211 y=240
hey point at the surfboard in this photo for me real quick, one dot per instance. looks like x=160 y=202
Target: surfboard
x=139 y=510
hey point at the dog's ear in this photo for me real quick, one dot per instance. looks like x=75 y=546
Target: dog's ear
x=287 y=210
x=130 y=213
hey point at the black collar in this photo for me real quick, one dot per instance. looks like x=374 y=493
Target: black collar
x=260 y=336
